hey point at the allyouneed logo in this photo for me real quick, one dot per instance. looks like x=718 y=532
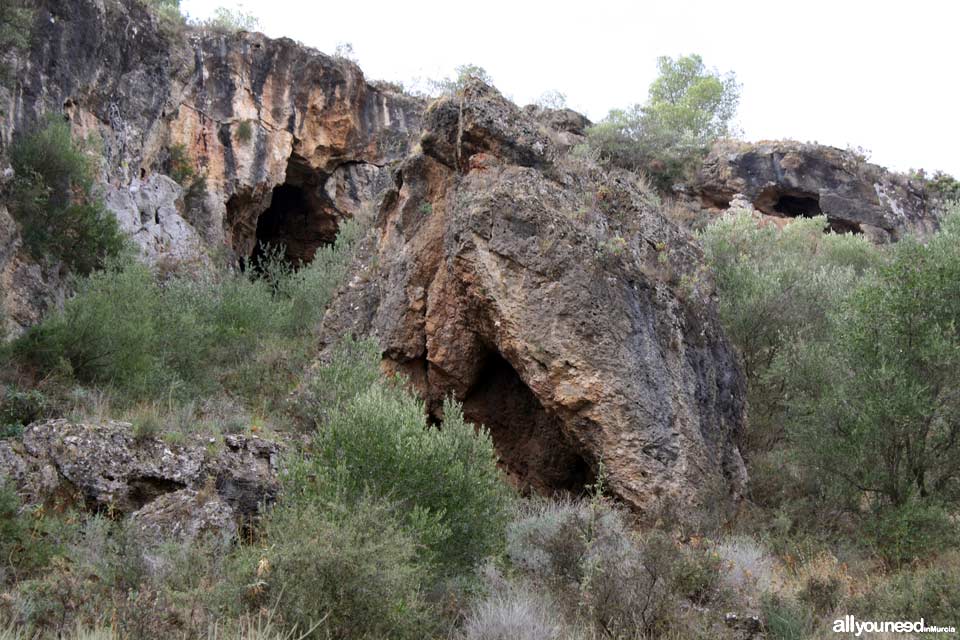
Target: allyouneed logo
x=849 y=624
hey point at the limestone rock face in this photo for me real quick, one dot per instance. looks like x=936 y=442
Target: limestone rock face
x=104 y=467
x=557 y=303
x=147 y=213
x=272 y=142
x=27 y=289
x=788 y=179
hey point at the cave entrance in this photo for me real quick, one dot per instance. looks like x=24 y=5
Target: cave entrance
x=800 y=204
x=300 y=217
x=534 y=452
x=788 y=204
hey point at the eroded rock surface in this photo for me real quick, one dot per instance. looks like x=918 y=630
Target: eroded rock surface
x=247 y=124
x=182 y=489
x=555 y=301
x=786 y=179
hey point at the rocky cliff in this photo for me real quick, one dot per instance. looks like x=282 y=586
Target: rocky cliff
x=271 y=141
x=556 y=302
x=548 y=294
x=785 y=179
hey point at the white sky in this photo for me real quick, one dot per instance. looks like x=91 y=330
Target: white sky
x=881 y=75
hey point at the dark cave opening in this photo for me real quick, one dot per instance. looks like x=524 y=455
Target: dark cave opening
x=798 y=206
x=782 y=203
x=300 y=218
x=533 y=449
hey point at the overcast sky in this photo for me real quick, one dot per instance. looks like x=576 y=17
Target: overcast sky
x=879 y=75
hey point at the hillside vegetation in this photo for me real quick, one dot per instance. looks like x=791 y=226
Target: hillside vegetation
x=390 y=525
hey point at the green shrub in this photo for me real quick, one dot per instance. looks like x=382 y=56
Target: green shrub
x=191 y=334
x=445 y=479
x=785 y=619
x=911 y=532
x=879 y=423
x=780 y=291
x=230 y=21
x=180 y=166
x=168 y=13
x=244 y=131
x=930 y=592
x=464 y=74
x=147 y=425
x=30 y=537
x=945 y=185
x=16 y=17
x=688 y=108
x=353 y=367
x=852 y=357
x=19 y=408
x=352 y=569
x=696 y=574
x=53 y=200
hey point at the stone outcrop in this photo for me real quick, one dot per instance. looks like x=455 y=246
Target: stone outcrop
x=179 y=489
x=786 y=179
x=557 y=303
x=272 y=142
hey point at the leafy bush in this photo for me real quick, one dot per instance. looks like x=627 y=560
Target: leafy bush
x=192 y=333
x=353 y=368
x=696 y=574
x=244 y=131
x=345 y=570
x=53 y=200
x=911 y=532
x=945 y=185
x=226 y=20
x=19 y=408
x=15 y=19
x=30 y=537
x=779 y=292
x=880 y=423
x=179 y=166
x=931 y=592
x=445 y=479
x=464 y=74
x=687 y=109
x=168 y=13
x=852 y=355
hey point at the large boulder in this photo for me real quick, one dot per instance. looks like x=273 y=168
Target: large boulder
x=180 y=488
x=787 y=179
x=557 y=303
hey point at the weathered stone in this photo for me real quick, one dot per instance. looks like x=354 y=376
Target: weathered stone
x=106 y=468
x=787 y=179
x=147 y=212
x=574 y=344
x=185 y=516
x=249 y=124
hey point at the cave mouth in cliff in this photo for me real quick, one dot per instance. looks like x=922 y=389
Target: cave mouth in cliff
x=300 y=217
x=800 y=204
x=784 y=203
x=533 y=450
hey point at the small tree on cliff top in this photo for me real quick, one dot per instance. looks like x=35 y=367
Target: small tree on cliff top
x=687 y=109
